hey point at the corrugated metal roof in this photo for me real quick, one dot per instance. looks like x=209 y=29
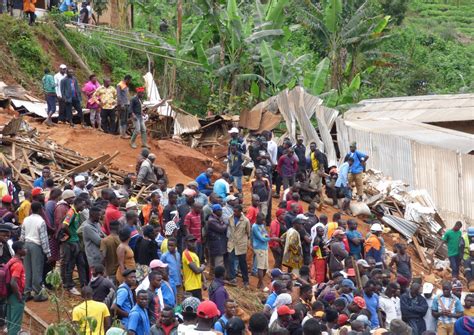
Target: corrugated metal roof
x=186 y=124
x=404 y=227
x=419 y=132
x=426 y=108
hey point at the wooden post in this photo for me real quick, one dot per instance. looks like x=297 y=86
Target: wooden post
x=73 y=52
x=20 y=175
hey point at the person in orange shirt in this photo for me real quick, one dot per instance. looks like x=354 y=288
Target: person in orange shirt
x=153 y=211
x=29 y=8
x=373 y=245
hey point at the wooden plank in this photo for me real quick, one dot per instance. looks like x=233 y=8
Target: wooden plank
x=87 y=165
x=13 y=151
x=104 y=163
x=419 y=251
x=20 y=175
x=35 y=316
x=27 y=159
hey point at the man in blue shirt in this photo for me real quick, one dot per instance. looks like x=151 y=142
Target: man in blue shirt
x=372 y=303
x=343 y=189
x=138 y=322
x=173 y=259
x=356 y=241
x=357 y=168
x=229 y=312
x=260 y=241
x=222 y=186
x=67 y=6
x=204 y=182
x=124 y=300
x=41 y=181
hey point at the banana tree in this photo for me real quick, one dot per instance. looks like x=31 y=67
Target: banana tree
x=233 y=53
x=350 y=33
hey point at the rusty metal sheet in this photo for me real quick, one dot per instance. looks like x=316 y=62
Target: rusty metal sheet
x=250 y=119
x=186 y=124
x=269 y=121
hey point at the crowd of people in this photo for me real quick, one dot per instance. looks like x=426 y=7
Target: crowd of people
x=110 y=107
x=165 y=266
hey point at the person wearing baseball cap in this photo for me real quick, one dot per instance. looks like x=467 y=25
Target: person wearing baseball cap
x=171 y=230
x=207 y=313
x=236 y=160
x=192 y=268
x=346 y=290
x=189 y=308
x=6 y=211
x=236 y=140
x=284 y=318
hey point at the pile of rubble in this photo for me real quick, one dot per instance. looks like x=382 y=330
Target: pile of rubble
x=24 y=152
x=412 y=213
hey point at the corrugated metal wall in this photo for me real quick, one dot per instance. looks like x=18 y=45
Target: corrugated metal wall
x=448 y=176
x=467 y=185
x=437 y=170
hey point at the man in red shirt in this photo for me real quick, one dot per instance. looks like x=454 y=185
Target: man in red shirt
x=112 y=212
x=192 y=225
x=254 y=209
x=15 y=303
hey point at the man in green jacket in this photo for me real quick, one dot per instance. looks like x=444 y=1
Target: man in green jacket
x=49 y=89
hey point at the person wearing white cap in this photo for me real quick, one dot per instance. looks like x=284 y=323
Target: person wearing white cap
x=79 y=185
x=373 y=246
x=430 y=320
x=62 y=104
x=235 y=139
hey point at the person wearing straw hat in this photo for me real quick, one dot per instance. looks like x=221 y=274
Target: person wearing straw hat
x=138 y=118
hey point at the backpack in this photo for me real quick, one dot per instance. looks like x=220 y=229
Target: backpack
x=5 y=278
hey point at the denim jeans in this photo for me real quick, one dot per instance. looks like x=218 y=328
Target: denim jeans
x=454 y=263
x=242 y=259
x=238 y=182
x=123 y=115
x=51 y=103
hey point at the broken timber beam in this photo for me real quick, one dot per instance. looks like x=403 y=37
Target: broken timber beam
x=419 y=251
x=86 y=166
x=20 y=175
x=104 y=163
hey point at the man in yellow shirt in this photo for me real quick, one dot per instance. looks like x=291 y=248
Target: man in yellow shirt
x=91 y=309
x=24 y=210
x=192 y=270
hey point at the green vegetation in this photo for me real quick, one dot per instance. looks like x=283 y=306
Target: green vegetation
x=24 y=46
x=247 y=51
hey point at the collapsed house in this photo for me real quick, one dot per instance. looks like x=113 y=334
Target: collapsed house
x=425 y=141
